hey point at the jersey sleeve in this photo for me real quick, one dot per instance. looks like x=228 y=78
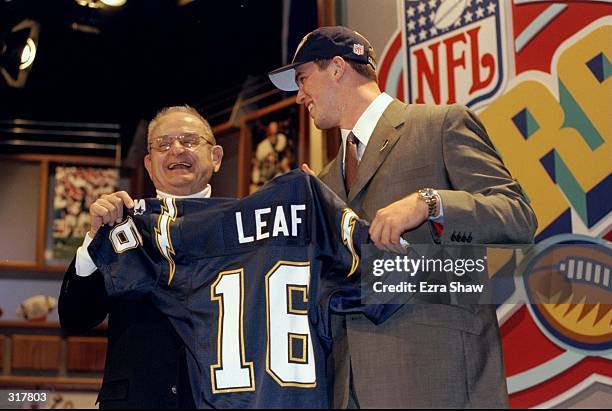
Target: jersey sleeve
x=128 y=267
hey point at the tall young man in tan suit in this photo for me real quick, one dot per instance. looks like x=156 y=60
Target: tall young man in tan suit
x=408 y=168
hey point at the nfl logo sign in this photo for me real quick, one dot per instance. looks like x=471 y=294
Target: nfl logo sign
x=456 y=50
x=358 y=49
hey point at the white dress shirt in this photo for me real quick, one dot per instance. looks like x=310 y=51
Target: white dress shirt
x=364 y=127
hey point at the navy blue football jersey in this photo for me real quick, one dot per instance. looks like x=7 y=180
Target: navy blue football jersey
x=248 y=284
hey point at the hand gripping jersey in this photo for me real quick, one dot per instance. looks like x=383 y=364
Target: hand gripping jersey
x=248 y=284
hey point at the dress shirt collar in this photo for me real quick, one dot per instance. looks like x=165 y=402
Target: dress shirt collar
x=364 y=127
x=202 y=194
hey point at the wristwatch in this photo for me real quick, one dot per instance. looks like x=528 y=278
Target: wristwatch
x=430 y=197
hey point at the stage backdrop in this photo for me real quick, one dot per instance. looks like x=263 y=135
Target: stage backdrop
x=538 y=74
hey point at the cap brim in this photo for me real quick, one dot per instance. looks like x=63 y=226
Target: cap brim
x=284 y=77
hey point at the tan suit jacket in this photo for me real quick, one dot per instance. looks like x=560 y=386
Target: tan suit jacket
x=430 y=355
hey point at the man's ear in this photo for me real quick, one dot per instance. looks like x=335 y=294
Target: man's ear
x=338 y=66
x=147 y=164
x=217 y=156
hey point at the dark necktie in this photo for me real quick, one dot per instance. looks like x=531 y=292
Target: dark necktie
x=350 y=161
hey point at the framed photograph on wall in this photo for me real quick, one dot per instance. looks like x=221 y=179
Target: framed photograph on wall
x=72 y=190
x=276 y=142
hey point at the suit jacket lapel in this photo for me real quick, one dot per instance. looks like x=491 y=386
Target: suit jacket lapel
x=383 y=138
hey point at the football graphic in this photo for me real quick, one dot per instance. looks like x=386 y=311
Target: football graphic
x=570 y=288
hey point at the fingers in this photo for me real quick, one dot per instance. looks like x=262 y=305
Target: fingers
x=398 y=217
x=387 y=227
x=108 y=209
x=391 y=239
x=375 y=230
x=386 y=237
x=95 y=223
x=397 y=249
x=379 y=232
x=385 y=234
x=304 y=167
x=127 y=200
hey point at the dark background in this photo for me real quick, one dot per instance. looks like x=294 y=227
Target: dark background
x=148 y=54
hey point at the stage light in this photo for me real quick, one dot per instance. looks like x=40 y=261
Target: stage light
x=18 y=51
x=98 y=4
x=28 y=54
x=114 y=3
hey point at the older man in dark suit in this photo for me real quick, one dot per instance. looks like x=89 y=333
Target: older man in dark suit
x=428 y=173
x=146 y=360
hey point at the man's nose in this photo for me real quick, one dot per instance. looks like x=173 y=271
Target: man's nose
x=176 y=146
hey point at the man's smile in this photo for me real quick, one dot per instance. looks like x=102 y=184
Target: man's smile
x=179 y=165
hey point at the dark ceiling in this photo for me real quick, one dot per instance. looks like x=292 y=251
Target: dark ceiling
x=148 y=54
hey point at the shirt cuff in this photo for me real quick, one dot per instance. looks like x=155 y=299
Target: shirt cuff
x=84 y=265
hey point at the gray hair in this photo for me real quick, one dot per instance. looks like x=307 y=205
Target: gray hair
x=180 y=109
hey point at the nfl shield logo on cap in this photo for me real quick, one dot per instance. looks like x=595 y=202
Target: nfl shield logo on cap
x=358 y=49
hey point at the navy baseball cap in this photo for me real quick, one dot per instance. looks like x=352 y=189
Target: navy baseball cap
x=324 y=43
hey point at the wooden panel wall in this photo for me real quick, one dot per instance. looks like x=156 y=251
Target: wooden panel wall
x=85 y=354
x=36 y=352
x=33 y=354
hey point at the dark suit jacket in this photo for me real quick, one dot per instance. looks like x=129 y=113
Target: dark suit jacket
x=145 y=360
x=431 y=355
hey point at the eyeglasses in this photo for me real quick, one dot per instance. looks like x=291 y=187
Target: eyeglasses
x=190 y=141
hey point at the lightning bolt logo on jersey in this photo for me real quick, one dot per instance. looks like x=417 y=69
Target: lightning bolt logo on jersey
x=162 y=233
x=249 y=285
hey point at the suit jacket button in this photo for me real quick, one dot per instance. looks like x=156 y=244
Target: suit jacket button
x=173 y=389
